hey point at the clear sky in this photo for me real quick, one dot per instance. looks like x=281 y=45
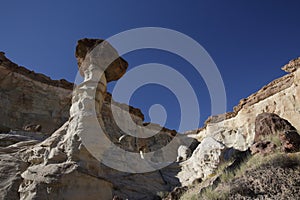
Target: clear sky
x=248 y=40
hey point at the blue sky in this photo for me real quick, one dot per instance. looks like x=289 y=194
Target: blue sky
x=248 y=40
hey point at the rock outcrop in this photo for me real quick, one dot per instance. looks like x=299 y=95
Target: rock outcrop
x=276 y=128
x=270 y=124
x=114 y=71
x=39 y=160
x=281 y=97
x=204 y=161
x=292 y=66
x=273 y=110
x=61 y=165
x=29 y=98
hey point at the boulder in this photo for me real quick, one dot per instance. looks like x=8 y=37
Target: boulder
x=270 y=124
x=203 y=162
x=115 y=68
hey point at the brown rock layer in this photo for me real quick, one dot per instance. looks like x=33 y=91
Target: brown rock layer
x=270 y=89
x=290 y=141
x=62 y=166
x=275 y=128
x=29 y=99
x=270 y=124
x=263 y=147
x=292 y=66
x=115 y=68
x=12 y=67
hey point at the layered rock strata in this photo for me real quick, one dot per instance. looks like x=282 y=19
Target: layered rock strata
x=281 y=97
x=70 y=164
x=240 y=129
x=29 y=98
x=63 y=165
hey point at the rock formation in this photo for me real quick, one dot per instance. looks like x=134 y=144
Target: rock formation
x=50 y=149
x=60 y=166
x=292 y=66
x=263 y=147
x=28 y=98
x=114 y=71
x=255 y=116
x=204 y=161
x=270 y=124
x=281 y=97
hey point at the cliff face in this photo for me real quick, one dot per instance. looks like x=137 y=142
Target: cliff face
x=266 y=112
x=281 y=96
x=59 y=164
x=28 y=98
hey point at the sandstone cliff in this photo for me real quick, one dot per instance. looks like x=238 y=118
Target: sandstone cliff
x=281 y=96
x=28 y=98
x=58 y=165
x=44 y=155
x=264 y=123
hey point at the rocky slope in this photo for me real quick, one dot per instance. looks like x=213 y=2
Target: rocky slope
x=280 y=97
x=262 y=123
x=45 y=137
x=58 y=165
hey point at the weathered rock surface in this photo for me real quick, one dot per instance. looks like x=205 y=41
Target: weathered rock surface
x=263 y=147
x=205 y=159
x=14 y=137
x=12 y=145
x=35 y=164
x=290 y=141
x=270 y=124
x=11 y=167
x=116 y=66
x=292 y=66
x=63 y=166
x=28 y=98
x=281 y=97
x=184 y=152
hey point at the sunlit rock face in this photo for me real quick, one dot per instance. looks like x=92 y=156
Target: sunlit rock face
x=77 y=174
x=59 y=165
x=28 y=98
x=281 y=97
x=276 y=104
x=205 y=159
x=292 y=66
x=45 y=160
